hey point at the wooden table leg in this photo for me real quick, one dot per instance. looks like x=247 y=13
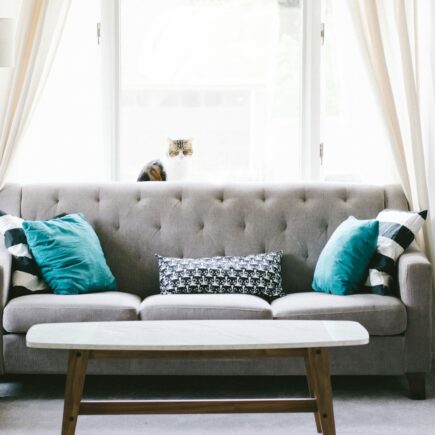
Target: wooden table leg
x=75 y=380
x=319 y=361
x=311 y=380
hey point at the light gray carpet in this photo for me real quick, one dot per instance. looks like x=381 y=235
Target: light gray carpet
x=363 y=406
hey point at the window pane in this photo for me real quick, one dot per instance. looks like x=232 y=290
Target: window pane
x=225 y=73
x=356 y=141
x=63 y=141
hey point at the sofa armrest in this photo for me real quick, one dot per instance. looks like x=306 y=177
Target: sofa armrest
x=415 y=290
x=5 y=281
x=5 y=275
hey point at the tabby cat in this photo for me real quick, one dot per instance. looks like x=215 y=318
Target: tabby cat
x=175 y=166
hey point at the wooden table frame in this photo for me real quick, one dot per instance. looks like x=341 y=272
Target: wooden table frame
x=316 y=367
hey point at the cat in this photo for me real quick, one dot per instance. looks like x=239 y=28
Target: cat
x=175 y=166
x=153 y=171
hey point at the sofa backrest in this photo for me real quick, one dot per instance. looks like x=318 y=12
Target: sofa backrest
x=134 y=221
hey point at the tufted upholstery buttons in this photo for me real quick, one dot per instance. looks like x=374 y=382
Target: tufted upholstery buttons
x=240 y=219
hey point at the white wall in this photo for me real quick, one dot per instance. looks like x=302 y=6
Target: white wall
x=8 y=9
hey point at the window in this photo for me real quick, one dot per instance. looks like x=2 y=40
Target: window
x=64 y=139
x=226 y=73
x=250 y=81
x=353 y=132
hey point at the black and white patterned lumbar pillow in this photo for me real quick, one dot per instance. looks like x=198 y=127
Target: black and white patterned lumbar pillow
x=258 y=275
x=397 y=230
x=26 y=278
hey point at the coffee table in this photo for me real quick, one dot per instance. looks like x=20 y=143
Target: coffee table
x=308 y=339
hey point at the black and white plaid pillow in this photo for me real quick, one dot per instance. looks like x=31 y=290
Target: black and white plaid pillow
x=26 y=278
x=397 y=230
x=258 y=275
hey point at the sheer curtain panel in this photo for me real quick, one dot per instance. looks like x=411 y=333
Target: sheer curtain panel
x=39 y=29
x=390 y=32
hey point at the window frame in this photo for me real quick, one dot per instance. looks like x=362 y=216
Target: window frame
x=310 y=94
x=311 y=90
x=110 y=57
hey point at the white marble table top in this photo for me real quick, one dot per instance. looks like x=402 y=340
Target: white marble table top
x=197 y=335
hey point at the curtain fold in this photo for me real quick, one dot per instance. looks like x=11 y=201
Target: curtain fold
x=388 y=32
x=39 y=31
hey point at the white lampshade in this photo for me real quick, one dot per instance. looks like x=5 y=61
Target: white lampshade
x=7 y=45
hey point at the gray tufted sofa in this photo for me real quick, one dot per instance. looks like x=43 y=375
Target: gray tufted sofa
x=136 y=220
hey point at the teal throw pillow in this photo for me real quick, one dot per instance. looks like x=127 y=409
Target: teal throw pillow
x=343 y=263
x=69 y=255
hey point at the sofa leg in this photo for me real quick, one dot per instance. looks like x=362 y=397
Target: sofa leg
x=417 y=385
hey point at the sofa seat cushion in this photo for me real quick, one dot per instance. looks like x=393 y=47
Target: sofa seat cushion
x=23 y=312
x=380 y=315
x=197 y=307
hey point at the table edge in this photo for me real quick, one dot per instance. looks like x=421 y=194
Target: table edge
x=198 y=348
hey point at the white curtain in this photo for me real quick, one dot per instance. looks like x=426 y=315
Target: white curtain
x=393 y=34
x=38 y=32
